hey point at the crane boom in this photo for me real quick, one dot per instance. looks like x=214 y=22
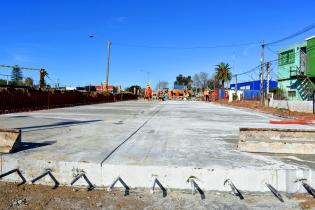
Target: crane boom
x=42 y=73
x=16 y=66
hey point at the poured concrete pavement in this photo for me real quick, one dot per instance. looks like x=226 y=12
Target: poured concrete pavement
x=139 y=141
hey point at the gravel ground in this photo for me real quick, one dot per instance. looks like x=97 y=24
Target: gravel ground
x=44 y=197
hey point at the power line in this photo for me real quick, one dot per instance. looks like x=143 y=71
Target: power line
x=188 y=47
x=302 y=31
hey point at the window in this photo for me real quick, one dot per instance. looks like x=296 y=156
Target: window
x=292 y=93
x=286 y=57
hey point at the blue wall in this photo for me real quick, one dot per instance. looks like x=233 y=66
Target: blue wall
x=254 y=85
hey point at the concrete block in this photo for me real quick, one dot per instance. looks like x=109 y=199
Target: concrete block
x=9 y=140
x=272 y=140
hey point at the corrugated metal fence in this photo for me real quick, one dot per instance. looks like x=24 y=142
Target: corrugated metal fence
x=12 y=100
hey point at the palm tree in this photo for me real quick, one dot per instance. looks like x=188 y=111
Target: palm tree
x=223 y=72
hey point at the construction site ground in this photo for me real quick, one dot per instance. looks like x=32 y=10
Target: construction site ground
x=34 y=197
x=139 y=141
x=256 y=105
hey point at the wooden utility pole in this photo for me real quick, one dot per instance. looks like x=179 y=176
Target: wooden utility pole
x=107 y=66
x=262 y=73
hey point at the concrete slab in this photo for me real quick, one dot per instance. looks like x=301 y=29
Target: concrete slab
x=270 y=140
x=139 y=141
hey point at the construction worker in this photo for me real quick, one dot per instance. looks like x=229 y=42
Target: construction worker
x=214 y=95
x=177 y=94
x=206 y=95
x=148 y=93
x=170 y=94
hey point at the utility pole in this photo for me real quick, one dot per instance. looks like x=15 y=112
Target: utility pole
x=107 y=66
x=236 y=84
x=268 y=76
x=262 y=73
x=268 y=81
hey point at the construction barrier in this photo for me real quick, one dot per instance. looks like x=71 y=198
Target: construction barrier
x=20 y=99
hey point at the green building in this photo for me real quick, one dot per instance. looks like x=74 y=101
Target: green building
x=296 y=70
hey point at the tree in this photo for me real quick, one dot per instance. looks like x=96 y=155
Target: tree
x=3 y=82
x=28 y=81
x=134 y=88
x=223 y=72
x=43 y=73
x=196 y=81
x=182 y=80
x=16 y=75
x=201 y=80
x=204 y=77
x=162 y=85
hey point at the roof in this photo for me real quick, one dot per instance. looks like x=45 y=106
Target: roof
x=312 y=37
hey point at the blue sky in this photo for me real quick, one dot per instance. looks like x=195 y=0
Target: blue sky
x=149 y=38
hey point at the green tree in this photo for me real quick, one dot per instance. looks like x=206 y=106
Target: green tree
x=134 y=88
x=16 y=75
x=223 y=72
x=29 y=81
x=3 y=82
x=183 y=80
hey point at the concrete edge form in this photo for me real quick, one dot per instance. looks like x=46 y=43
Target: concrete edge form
x=272 y=140
x=171 y=177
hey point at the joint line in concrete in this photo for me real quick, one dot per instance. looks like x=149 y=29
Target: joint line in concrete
x=129 y=137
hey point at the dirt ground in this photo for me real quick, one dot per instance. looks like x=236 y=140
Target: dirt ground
x=257 y=106
x=32 y=197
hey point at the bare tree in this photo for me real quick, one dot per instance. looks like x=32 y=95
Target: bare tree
x=204 y=77
x=196 y=80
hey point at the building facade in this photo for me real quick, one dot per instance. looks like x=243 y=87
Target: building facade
x=254 y=85
x=296 y=70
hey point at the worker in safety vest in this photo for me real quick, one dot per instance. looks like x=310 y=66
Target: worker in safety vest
x=148 y=93
x=206 y=95
x=170 y=94
x=214 y=95
x=177 y=94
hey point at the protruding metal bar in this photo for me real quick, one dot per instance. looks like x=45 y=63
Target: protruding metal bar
x=127 y=189
x=306 y=186
x=309 y=189
x=47 y=172
x=195 y=187
x=275 y=192
x=13 y=171
x=156 y=181
x=90 y=187
x=235 y=191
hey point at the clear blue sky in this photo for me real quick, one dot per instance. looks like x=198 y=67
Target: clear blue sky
x=55 y=35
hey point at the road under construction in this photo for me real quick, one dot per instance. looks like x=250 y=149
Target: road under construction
x=141 y=144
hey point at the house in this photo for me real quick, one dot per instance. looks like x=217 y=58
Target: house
x=296 y=70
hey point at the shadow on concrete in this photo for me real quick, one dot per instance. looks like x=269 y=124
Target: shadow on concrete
x=57 y=125
x=32 y=145
x=19 y=116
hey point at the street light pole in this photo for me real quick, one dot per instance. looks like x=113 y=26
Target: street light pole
x=108 y=61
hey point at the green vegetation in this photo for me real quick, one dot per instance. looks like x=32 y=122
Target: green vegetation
x=16 y=76
x=28 y=82
x=223 y=73
x=182 y=80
